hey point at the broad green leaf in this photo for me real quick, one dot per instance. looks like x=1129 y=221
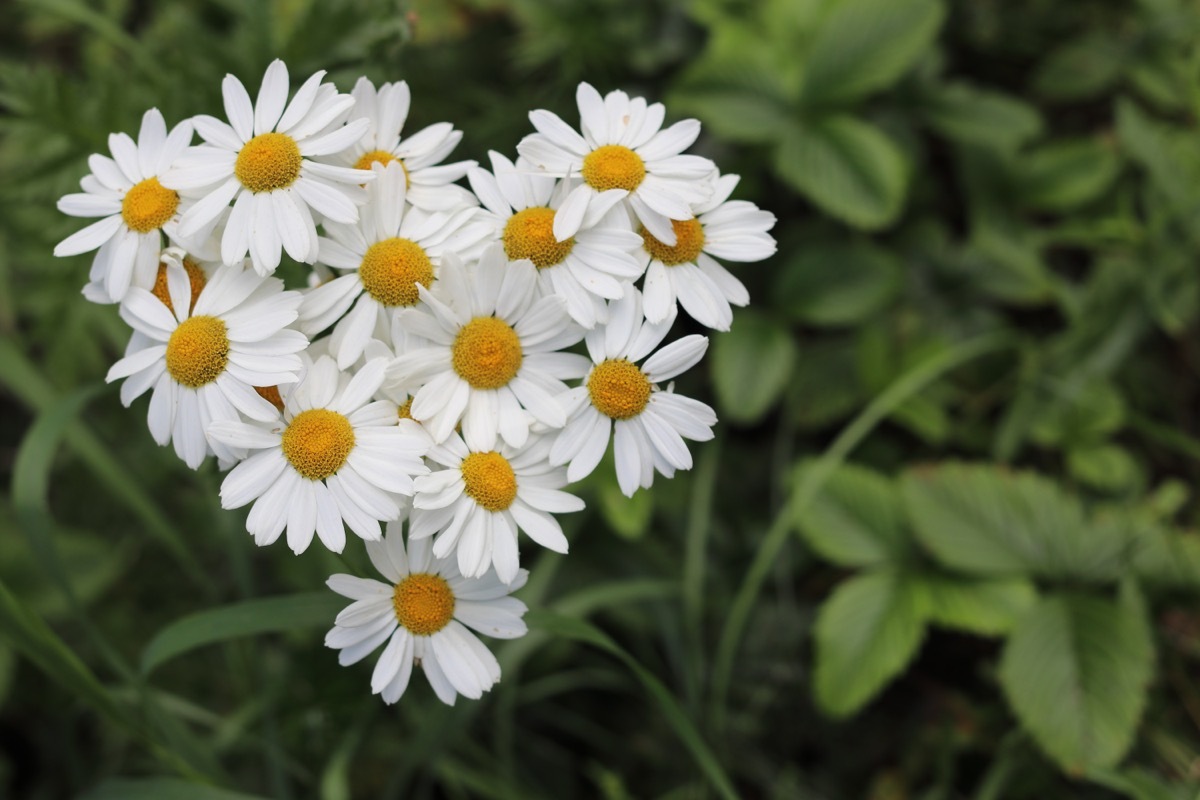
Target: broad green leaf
x=834 y=285
x=1006 y=262
x=866 y=633
x=986 y=520
x=856 y=520
x=1075 y=671
x=1141 y=784
x=827 y=385
x=247 y=618
x=1080 y=68
x=849 y=168
x=628 y=516
x=985 y=607
x=1106 y=467
x=751 y=365
x=1165 y=557
x=865 y=45
x=972 y=115
x=1152 y=145
x=1065 y=175
x=737 y=114
x=160 y=788
x=1080 y=413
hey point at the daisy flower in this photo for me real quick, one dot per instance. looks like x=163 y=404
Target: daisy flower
x=423 y=612
x=650 y=425
x=430 y=184
x=392 y=250
x=490 y=355
x=686 y=272
x=333 y=456
x=203 y=352
x=585 y=268
x=262 y=164
x=480 y=499
x=137 y=209
x=622 y=148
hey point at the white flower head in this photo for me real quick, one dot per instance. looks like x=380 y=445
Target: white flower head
x=584 y=269
x=204 y=350
x=430 y=183
x=333 y=456
x=622 y=154
x=687 y=272
x=618 y=395
x=391 y=251
x=261 y=161
x=136 y=207
x=423 y=613
x=491 y=353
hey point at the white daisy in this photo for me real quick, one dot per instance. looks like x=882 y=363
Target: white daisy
x=621 y=154
x=477 y=503
x=334 y=456
x=137 y=208
x=430 y=184
x=735 y=230
x=262 y=163
x=583 y=269
x=423 y=613
x=203 y=359
x=490 y=353
x=650 y=424
x=391 y=251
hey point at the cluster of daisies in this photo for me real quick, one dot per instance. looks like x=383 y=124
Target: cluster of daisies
x=428 y=389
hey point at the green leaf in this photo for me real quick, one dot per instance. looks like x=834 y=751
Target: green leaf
x=1080 y=413
x=751 y=365
x=1152 y=145
x=628 y=516
x=1165 y=557
x=986 y=520
x=971 y=115
x=848 y=168
x=247 y=618
x=856 y=520
x=985 y=607
x=834 y=285
x=1106 y=467
x=737 y=114
x=1076 y=671
x=866 y=633
x=1080 y=68
x=1141 y=784
x=1065 y=175
x=158 y=788
x=862 y=46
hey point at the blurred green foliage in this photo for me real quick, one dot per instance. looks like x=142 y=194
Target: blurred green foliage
x=941 y=549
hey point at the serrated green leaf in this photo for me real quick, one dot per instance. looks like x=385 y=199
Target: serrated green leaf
x=856 y=520
x=866 y=633
x=972 y=115
x=1065 y=175
x=1080 y=414
x=1076 y=671
x=985 y=607
x=847 y=167
x=1107 y=467
x=1165 y=557
x=862 y=46
x=751 y=365
x=247 y=618
x=835 y=285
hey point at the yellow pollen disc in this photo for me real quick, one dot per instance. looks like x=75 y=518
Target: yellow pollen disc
x=198 y=351
x=317 y=442
x=196 y=278
x=424 y=603
x=382 y=157
x=271 y=395
x=391 y=270
x=530 y=234
x=268 y=162
x=613 y=166
x=618 y=388
x=486 y=353
x=490 y=480
x=689 y=241
x=405 y=410
x=148 y=205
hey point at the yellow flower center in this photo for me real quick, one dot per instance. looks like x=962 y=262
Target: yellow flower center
x=424 y=603
x=689 y=241
x=530 y=234
x=268 y=162
x=613 y=166
x=148 y=205
x=318 y=442
x=489 y=480
x=383 y=157
x=271 y=395
x=618 y=388
x=391 y=270
x=198 y=351
x=486 y=353
x=405 y=410
x=196 y=278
